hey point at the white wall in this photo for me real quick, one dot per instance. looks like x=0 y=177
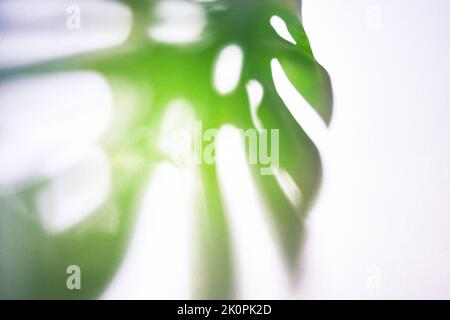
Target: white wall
x=381 y=227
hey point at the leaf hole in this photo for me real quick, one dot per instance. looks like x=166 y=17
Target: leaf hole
x=280 y=27
x=228 y=68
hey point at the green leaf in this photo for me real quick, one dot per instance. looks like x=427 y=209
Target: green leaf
x=33 y=262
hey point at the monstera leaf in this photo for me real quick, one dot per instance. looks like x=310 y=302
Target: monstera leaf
x=34 y=261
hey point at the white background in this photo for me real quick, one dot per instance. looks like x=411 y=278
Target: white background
x=381 y=227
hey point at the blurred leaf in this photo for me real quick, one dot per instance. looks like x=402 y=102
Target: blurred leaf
x=33 y=263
